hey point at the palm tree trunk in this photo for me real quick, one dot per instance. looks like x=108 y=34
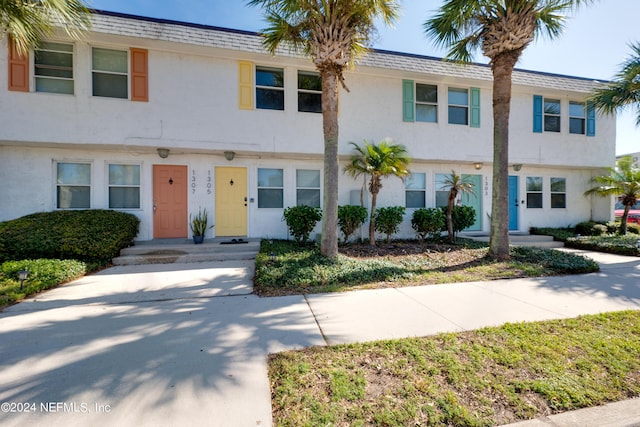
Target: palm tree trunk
x=372 y=218
x=329 y=243
x=502 y=67
x=450 y=203
x=624 y=219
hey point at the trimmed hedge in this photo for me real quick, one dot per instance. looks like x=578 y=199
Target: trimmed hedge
x=95 y=236
x=620 y=245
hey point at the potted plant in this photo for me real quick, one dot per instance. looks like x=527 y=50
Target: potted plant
x=199 y=224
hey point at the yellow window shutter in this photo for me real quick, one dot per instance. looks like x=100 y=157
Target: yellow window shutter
x=139 y=75
x=245 y=85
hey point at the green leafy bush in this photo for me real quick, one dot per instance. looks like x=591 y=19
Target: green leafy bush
x=388 y=220
x=426 y=221
x=620 y=245
x=591 y=228
x=558 y=261
x=462 y=216
x=43 y=274
x=301 y=221
x=350 y=217
x=87 y=235
x=559 y=234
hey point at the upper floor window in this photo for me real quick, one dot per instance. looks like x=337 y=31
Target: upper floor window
x=270 y=188
x=458 y=106
x=53 y=67
x=551 y=115
x=309 y=92
x=577 y=117
x=124 y=186
x=73 y=185
x=270 y=88
x=308 y=188
x=534 y=191
x=558 y=192
x=415 y=188
x=110 y=73
x=426 y=103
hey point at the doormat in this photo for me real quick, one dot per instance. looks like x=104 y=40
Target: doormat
x=234 y=242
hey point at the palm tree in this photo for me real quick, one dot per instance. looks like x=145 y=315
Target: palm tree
x=27 y=22
x=377 y=161
x=502 y=29
x=624 y=90
x=623 y=181
x=456 y=184
x=332 y=33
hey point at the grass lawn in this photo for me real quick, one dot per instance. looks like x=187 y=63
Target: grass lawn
x=298 y=269
x=486 y=377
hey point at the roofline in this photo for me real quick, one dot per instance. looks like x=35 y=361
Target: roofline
x=374 y=50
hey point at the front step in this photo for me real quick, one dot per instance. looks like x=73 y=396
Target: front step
x=526 y=240
x=181 y=251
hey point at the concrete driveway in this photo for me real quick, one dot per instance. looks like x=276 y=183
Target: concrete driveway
x=187 y=344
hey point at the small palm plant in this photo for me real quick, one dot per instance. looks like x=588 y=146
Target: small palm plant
x=456 y=184
x=199 y=223
x=378 y=161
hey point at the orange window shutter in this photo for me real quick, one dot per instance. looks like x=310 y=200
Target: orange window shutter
x=139 y=75
x=18 y=70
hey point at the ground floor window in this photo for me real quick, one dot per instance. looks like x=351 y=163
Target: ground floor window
x=558 y=192
x=73 y=185
x=124 y=186
x=270 y=188
x=442 y=192
x=534 y=192
x=415 y=188
x=308 y=188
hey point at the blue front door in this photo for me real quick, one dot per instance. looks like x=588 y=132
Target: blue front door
x=513 y=202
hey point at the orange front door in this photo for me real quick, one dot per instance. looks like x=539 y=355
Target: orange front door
x=169 y=201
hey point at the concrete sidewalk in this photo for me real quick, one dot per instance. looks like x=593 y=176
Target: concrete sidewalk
x=188 y=343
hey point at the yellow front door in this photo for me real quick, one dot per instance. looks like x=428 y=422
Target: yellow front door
x=231 y=201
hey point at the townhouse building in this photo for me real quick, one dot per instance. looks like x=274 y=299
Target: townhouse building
x=161 y=118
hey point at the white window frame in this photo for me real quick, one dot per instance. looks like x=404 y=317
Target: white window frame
x=465 y=106
x=281 y=188
x=422 y=190
x=532 y=192
x=564 y=193
x=36 y=66
x=115 y=73
x=138 y=186
x=545 y=114
x=309 y=91
x=429 y=103
x=583 y=118
x=298 y=187
x=271 y=88
x=58 y=185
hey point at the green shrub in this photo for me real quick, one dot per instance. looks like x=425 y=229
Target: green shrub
x=301 y=221
x=43 y=274
x=350 y=217
x=388 y=220
x=591 y=228
x=616 y=244
x=88 y=235
x=427 y=221
x=559 y=234
x=462 y=217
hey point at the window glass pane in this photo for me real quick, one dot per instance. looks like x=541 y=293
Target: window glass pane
x=558 y=185
x=534 y=200
x=308 y=198
x=458 y=115
x=110 y=60
x=74 y=174
x=551 y=106
x=60 y=47
x=124 y=175
x=269 y=77
x=53 y=72
x=270 y=178
x=269 y=198
x=309 y=102
x=576 y=109
x=415 y=199
x=309 y=81
x=558 y=200
x=534 y=183
x=268 y=99
x=426 y=93
x=54 y=85
x=552 y=124
x=442 y=198
x=124 y=197
x=308 y=178
x=458 y=96
x=426 y=113
x=415 y=181
x=110 y=85
x=576 y=125
x=56 y=59
x=73 y=197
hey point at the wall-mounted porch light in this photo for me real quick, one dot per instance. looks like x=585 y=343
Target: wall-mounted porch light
x=163 y=153
x=229 y=155
x=517 y=167
x=477 y=166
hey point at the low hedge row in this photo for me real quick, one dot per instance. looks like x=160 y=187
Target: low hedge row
x=95 y=236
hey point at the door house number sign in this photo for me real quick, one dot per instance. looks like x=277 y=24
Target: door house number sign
x=194 y=182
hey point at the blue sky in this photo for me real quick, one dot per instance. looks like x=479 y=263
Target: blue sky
x=594 y=43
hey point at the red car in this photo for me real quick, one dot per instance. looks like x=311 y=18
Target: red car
x=634 y=215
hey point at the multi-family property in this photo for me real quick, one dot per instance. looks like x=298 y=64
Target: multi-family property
x=161 y=119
